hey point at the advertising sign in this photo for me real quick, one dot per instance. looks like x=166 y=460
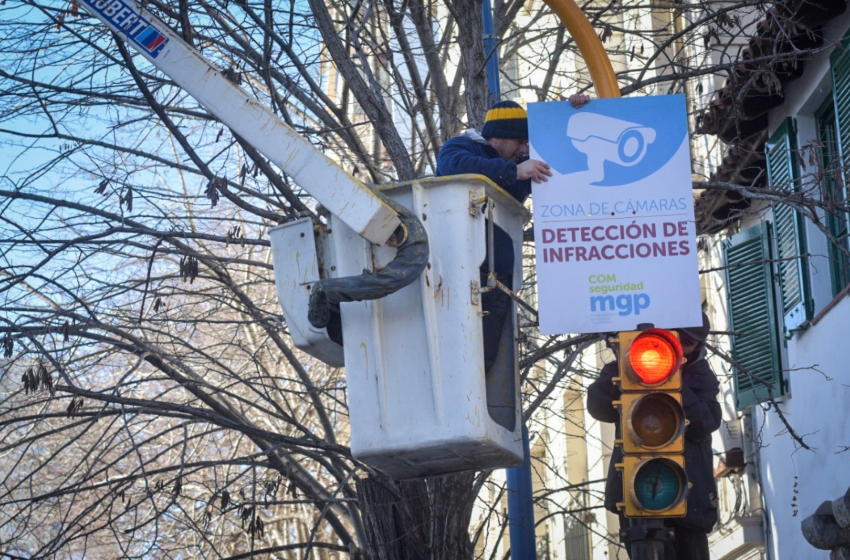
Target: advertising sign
x=614 y=231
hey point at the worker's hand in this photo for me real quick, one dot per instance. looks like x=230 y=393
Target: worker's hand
x=533 y=169
x=579 y=100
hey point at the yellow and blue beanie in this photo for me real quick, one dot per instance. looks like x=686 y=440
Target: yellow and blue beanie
x=506 y=119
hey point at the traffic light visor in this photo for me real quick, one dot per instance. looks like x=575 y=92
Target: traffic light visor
x=655 y=355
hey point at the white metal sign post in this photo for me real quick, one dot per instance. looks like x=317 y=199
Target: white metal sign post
x=614 y=231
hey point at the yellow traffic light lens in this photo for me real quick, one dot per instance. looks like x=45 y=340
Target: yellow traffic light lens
x=657 y=419
x=655 y=355
x=659 y=484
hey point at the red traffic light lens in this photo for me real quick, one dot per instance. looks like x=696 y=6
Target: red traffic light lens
x=655 y=355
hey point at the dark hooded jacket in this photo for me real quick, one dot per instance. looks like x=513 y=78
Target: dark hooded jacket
x=699 y=398
x=470 y=153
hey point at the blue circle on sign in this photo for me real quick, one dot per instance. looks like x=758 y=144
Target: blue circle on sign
x=665 y=114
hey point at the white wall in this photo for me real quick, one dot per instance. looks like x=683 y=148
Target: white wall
x=796 y=480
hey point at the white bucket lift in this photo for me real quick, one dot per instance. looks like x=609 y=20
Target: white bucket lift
x=419 y=401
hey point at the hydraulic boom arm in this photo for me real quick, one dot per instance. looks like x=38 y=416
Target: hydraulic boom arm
x=343 y=195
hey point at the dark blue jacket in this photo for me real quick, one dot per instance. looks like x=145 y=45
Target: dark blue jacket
x=470 y=153
x=699 y=399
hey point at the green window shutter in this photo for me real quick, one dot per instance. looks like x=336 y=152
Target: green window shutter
x=840 y=69
x=752 y=316
x=838 y=221
x=781 y=153
x=831 y=187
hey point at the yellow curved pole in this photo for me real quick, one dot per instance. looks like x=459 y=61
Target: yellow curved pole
x=601 y=71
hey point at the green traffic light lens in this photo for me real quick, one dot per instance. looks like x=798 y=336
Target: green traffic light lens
x=657 y=419
x=659 y=484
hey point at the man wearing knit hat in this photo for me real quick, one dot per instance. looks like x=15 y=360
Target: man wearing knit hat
x=500 y=153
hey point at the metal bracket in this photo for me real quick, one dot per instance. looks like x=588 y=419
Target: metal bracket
x=646 y=538
x=493 y=284
x=475 y=289
x=475 y=201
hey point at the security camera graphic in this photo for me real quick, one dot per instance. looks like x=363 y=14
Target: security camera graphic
x=602 y=138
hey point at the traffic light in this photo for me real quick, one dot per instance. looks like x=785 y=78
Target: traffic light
x=652 y=424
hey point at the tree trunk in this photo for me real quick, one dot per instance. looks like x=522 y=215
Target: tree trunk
x=418 y=520
x=470 y=38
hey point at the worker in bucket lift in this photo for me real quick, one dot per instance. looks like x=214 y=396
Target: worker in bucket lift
x=700 y=388
x=500 y=153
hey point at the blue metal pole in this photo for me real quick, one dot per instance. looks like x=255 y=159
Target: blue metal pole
x=491 y=52
x=521 y=506
x=520 y=503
